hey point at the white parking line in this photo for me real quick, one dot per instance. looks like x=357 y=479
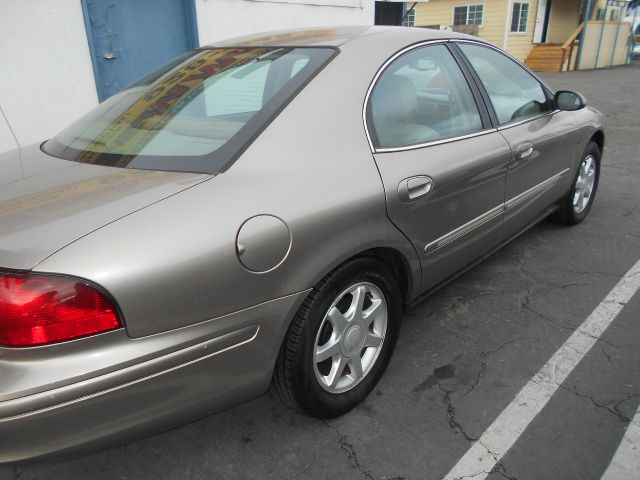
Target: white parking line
x=626 y=461
x=505 y=430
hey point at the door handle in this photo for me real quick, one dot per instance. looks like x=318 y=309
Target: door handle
x=412 y=188
x=524 y=150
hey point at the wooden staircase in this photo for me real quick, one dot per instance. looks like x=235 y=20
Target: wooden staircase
x=545 y=57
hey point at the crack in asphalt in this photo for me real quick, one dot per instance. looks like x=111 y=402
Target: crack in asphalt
x=484 y=364
x=472 y=476
x=451 y=414
x=613 y=410
x=349 y=448
x=499 y=469
x=607 y=356
x=594 y=272
x=548 y=319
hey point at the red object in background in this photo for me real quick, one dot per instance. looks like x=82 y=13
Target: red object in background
x=437 y=81
x=40 y=309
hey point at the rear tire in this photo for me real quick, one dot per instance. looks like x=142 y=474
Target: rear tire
x=340 y=340
x=576 y=205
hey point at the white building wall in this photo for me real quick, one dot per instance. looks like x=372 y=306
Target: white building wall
x=7 y=140
x=46 y=78
x=220 y=19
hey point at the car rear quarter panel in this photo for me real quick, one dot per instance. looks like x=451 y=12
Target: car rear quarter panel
x=174 y=263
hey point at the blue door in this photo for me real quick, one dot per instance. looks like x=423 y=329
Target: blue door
x=129 y=38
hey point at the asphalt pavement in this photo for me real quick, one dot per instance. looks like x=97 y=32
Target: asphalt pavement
x=462 y=357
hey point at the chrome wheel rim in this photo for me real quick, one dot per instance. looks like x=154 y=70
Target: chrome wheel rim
x=584 y=184
x=350 y=337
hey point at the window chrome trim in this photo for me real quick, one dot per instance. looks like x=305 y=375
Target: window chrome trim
x=380 y=72
x=493 y=213
x=506 y=126
x=435 y=142
x=533 y=191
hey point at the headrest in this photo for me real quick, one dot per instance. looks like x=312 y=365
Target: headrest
x=394 y=97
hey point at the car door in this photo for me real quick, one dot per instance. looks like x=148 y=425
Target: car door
x=442 y=164
x=542 y=139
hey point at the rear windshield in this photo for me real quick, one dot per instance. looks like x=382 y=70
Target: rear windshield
x=196 y=114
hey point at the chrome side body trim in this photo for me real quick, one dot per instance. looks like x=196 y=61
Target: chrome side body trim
x=518 y=199
x=493 y=213
x=464 y=229
x=255 y=329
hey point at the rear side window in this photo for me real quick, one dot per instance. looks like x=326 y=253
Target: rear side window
x=194 y=115
x=515 y=94
x=421 y=97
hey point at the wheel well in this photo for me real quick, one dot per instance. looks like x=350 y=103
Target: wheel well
x=598 y=138
x=396 y=263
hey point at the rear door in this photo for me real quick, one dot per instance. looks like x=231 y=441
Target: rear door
x=442 y=164
x=542 y=139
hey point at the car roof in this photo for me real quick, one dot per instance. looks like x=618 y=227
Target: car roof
x=335 y=36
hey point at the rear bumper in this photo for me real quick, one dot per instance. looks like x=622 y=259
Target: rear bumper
x=212 y=366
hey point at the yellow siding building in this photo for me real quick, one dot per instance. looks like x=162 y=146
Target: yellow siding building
x=519 y=25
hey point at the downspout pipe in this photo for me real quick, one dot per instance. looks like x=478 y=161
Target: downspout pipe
x=583 y=34
x=604 y=21
x=631 y=35
x=407 y=13
x=615 y=39
x=507 y=17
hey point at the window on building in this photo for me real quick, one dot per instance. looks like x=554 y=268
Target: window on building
x=409 y=18
x=519 y=17
x=468 y=14
x=614 y=15
x=599 y=14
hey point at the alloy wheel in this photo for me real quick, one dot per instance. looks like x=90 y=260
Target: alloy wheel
x=350 y=337
x=584 y=184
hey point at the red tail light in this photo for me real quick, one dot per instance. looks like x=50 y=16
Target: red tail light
x=39 y=309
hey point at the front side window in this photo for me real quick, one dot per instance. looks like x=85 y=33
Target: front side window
x=515 y=94
x=420 y=98
x=468 y=14
x=195 y=114
x=519 y=17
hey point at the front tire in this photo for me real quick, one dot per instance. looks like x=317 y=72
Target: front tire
x=340 y=340
x=577 y=204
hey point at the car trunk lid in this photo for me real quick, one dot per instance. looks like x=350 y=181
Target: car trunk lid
x=47 y=203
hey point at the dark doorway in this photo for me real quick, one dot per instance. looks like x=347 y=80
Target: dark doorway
x=547 y=14
x=389 y=13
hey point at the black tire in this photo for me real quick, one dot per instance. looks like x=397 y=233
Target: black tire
x=294 y=379
x=566 y=213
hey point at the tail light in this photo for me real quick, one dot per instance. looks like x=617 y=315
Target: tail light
x=39 y=309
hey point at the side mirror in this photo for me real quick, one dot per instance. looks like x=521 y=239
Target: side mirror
x=569 y=101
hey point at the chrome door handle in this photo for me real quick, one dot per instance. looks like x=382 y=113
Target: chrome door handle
x=412 y=188
x=524 y=150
